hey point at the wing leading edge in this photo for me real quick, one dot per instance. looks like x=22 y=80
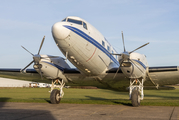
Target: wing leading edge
x=17 y=70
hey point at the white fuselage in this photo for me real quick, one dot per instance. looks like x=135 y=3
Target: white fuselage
x=86 y=48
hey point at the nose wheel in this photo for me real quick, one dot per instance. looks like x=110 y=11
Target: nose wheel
x=56 y=91
x=136 y=92
x=55 y=97
x=135 y=98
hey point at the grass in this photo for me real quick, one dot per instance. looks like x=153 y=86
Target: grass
x=90 y=96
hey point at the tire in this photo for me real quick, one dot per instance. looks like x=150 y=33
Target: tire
x=135 y=98
x=54 y=97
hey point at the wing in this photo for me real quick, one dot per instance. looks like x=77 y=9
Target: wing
x=168 y=75
x=17 y=70
x=106 y=81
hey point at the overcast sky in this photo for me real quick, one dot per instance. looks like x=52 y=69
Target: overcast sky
x=25 y=22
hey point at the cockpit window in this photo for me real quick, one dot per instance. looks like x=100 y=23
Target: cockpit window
x=84 y=25
x=75 y=21
x=108 y=48
x=103 y=43
x=64 y=20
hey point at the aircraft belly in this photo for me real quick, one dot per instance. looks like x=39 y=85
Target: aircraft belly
x=84 y=59
x=119 y=83
x=97 y=62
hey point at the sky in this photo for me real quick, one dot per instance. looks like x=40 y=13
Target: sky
x=25 y=22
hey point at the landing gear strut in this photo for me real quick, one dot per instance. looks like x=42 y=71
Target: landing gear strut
x=136 y=91
x=56 y=91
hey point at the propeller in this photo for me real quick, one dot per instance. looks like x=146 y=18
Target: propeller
x=27 y=66
x=126 y=55
x=139 y=48
x=36 y=59
x=123 y=41
x=41 y=45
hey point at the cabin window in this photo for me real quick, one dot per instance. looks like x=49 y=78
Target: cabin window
x=64 y=20
x=103 y=43
x=75 y=21
x=108 y=48
x=84 y=25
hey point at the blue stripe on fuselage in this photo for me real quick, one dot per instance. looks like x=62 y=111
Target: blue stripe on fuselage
x=57 y=66
x=92 y=41
x=140 y=63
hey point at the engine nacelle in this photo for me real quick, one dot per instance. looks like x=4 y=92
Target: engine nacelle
x=134 y=67
x=52 y=67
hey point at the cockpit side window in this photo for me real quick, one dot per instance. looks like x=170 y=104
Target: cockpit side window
x=84 y=25
x=108 y=48
x=75 y=21
x=64 y=20
x=103 y=43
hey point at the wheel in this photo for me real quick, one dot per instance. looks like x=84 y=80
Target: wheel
x=135 y=97
x=55 y=97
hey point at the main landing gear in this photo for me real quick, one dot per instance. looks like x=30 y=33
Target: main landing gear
x=136 y=91
x=56 y=91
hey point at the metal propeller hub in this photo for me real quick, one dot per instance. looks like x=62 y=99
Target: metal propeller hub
x=37 y=58
x=125 y=55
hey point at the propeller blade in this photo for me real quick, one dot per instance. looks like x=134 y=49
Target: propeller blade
x=116 y=72
x=41 y=44
x=27 y=66
x=27 y=51
x=139 y=48
x=123 y=41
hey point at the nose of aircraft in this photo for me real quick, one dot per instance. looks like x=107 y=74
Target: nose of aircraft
x=59 y=31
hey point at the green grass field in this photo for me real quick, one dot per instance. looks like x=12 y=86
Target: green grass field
x=90 y=96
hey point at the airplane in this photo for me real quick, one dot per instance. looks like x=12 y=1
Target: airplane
x=97 y=63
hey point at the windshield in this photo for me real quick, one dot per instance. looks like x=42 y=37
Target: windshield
x=74 y=21
x=64 y=20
